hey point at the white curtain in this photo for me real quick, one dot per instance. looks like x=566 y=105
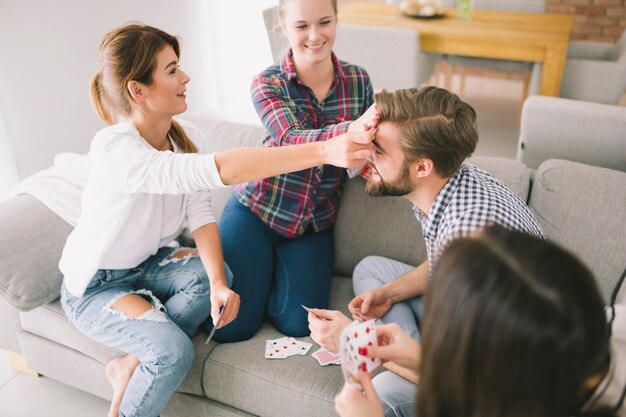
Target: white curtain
x=8 y=168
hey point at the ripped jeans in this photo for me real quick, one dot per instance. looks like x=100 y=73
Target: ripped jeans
x=178 y=289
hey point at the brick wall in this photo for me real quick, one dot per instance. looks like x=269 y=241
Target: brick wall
x=596 y=20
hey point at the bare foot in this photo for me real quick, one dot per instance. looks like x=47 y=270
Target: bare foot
x=118 y=372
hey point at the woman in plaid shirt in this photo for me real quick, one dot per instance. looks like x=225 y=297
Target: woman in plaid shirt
x=277 y=233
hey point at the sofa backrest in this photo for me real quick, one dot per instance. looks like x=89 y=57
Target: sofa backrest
x=583 y=208
x=221 y=135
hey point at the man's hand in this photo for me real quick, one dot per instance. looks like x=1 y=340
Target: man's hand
x=326 y=332
x=351 y=402
x=372 y=303
x=219 y=295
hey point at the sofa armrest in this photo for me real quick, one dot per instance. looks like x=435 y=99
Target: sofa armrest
x=557 y=128
x=581 y=80
x=31 y=241
x=590 y=50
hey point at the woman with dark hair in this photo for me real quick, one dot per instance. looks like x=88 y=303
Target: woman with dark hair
x=513 y=326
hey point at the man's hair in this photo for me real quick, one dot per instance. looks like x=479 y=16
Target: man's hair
x=434 y=123
x=513 y=326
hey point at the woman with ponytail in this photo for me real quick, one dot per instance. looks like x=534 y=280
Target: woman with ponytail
x=124 y=284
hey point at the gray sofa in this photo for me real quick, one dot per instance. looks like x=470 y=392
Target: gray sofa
x=580 y=206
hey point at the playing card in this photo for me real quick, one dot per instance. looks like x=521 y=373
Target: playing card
x=302 y=348
x=218 y=322
x=284 y=347
x=311 y=311
x=354 y=340
x=362 y=317
x=325 y=357
x=273 y=351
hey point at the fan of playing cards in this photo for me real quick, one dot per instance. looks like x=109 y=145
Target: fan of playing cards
x=284 y=347
x=353 y=344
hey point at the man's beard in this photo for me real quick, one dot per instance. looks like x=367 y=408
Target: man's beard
x=398 y=188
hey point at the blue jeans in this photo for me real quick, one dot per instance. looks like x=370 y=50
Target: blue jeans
x=273 y=274
x=396 y=393
x=178 y=290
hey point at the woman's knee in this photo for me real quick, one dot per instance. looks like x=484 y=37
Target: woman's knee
x=244 y=327
x=175 y=350
x=293 y=324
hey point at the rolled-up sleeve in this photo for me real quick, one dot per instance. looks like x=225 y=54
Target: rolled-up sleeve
x=278 y=113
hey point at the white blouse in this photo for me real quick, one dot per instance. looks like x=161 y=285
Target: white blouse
x=136 y=200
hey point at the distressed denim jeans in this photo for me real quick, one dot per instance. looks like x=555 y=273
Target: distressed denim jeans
x=178 y=289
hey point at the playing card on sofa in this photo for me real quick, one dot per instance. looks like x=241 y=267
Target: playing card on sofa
x=284 y=347
x=353 y=344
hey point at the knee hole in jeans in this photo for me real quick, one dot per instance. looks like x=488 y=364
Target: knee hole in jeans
x=138 y=305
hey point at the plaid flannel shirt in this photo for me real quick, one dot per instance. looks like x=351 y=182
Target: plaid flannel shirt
x=291 y=113
x=471 y=200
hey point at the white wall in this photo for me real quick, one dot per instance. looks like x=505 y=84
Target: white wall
x=8 y=170
x=49 y=52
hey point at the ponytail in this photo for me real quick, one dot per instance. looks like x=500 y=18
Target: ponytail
x=180 y=138
x=99 y=99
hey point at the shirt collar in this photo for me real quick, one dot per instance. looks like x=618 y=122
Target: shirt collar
x=430 y=222
x=290 y=69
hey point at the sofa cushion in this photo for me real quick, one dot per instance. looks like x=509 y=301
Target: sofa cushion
x=49 y=322
x=237 y=374
x=30 y=250
x=583 y=208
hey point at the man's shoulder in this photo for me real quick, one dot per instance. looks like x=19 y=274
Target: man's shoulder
x=479 y=186
x=480 y=199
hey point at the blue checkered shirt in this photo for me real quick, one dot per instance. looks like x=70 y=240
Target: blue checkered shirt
x=471 y=200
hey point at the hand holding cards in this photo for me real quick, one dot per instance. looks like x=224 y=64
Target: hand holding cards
x=354 y=342
x=222 y=309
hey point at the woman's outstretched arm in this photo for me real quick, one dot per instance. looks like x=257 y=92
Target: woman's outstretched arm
x=246 y=164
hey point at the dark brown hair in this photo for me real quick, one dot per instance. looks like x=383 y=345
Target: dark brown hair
x=129 y=53
x=513 y=327
x=435 y=124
